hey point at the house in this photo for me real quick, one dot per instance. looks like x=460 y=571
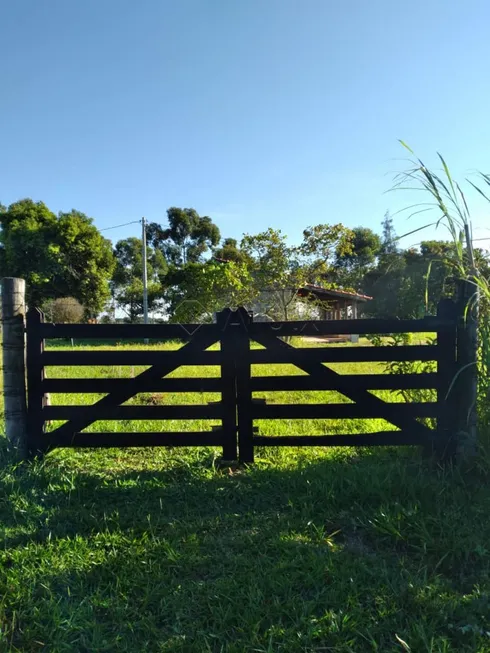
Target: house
x=334 y=304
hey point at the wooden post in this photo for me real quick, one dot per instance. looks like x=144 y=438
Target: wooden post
x=243 y=386
x=445 y=441
x=467 y=357
x=14 y=384
x=228 y=386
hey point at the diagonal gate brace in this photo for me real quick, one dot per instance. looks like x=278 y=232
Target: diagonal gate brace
x=200 y=342
x=359 y=395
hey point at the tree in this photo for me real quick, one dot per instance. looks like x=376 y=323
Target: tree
x=127 y=280
x=321 y=246
x=276 y=272
x=61 y=255
x=389 y=243
x=196 y=291
x=29 y=249
x=280 y=270
x=352 y=266
x=230 y=251
x=87 y=260
x=410 y=283
x=64 y=310
x=187 y=238
x=389 y=286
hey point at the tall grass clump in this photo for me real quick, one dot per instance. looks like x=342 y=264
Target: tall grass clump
x=448 y=200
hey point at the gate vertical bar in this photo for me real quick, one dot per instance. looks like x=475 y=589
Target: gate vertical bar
x=228 y=385
x=467 y=367
x=444 y=445
x=240 y=322
x=35 y=376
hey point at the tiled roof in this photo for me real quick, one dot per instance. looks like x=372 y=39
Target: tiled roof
x=336 y=292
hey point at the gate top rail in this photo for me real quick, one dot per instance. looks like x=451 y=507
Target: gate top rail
x=304 y=327
x=124 y=331
x=360 y=326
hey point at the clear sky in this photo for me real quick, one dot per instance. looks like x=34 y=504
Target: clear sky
x=259 y=113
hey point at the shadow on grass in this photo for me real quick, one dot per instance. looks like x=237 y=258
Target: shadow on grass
x=160 y=551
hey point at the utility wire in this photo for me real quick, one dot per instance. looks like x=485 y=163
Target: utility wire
x=121 y=225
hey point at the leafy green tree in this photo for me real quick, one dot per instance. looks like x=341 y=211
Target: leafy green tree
x=29 y=249
x=410 y=283
x=196 y=291
x=87 y=260
x=322 y=245
x=230 y=251
x=187 y=238
x=273 y=262
x=62 y=255
x=277 y=273
x=280 y=270
x=352 y=264
x=127 y=280
x=388 y=285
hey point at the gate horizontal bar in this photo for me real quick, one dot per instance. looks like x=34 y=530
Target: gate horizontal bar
x=108 y=412
x=373 y=381
x=345 y=354
x=382 y=438
x=344 y=411
x=114 y=385
x=147 y=439
x=143 y=357
x=126 y=331
x=345 y=327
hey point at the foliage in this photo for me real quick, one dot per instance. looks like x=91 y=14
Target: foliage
x=449 y=202
x=63 y=310
x=408 y=395
x=280 y=270
x=186 y=239
x=322 y=245
x=410 y=283
x=276 y=272
x=127 y=281
x=196 y=291
x=230 y=251
x=62 y=255
x=87 y=258
x=353 y=264
x=389 y=239
x=29 y=247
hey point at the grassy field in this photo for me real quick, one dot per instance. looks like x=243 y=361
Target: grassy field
x=306 y=551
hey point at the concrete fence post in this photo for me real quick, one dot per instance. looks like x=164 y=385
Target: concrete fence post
x=13 y=349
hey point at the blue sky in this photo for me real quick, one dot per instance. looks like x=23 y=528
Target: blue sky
x=258 y=113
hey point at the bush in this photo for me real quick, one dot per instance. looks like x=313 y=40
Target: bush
x=64 y=309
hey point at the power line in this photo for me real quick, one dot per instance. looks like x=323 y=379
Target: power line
x=117 y=226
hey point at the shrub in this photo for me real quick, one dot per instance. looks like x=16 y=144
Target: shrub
x=64 y=309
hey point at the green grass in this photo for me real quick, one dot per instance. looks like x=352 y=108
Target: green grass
x=306 y=551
